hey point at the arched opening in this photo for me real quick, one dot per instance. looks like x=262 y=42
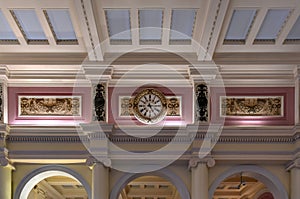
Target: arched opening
x=58 y=187
x=150 y=187
x=241 y=185
x=255 y=173
x=165 y=174
x=55 y=182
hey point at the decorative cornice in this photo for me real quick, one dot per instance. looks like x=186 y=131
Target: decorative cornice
x=154 y=139
x=48 y=139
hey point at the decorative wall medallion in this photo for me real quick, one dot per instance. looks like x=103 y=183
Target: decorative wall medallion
x=270 y=106
x=49 y=105
x=150 y=106
x=201 y=92
x=173 y=106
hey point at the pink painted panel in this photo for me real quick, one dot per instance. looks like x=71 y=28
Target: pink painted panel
x=14 y=92
x=286 y=92
x=186 y=97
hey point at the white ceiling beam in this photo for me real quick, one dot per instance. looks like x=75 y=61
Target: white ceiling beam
x=258 y=20
x=45 y=26
x=89 y=29
x=288 y=26
x=134 y=20
x=213 y=26
x=166 y=26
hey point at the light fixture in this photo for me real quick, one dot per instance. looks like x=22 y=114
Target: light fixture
x=242 y=183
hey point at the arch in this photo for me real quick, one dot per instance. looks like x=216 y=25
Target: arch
x=164 y=173
x=30 y=180
x=271 y=181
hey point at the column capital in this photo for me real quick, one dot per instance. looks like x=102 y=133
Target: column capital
x=194 y=161
x=91 y=161
x=293 y=164
x=4 y=160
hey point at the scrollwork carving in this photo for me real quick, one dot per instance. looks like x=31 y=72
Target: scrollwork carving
x=202 y=102
x=99 y=102
x=49 y=105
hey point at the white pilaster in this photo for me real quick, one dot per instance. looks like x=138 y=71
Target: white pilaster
x=199 y=178
x=100 y=181
x=5 y=182
x=100 y=177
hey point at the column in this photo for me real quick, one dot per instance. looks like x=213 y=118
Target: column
x=100 y=177
x=5 y=182
x=199 y=178
x=295 y=183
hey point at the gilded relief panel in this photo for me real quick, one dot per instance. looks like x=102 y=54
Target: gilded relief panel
x=270 y=106
x=173 y=106
x=49 y=105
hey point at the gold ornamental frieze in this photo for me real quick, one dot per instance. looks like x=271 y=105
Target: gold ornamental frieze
x=49 y=105
x=267 y=106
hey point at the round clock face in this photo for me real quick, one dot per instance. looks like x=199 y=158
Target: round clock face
x=150 y=106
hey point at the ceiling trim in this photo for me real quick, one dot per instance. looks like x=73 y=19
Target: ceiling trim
x=239 y=58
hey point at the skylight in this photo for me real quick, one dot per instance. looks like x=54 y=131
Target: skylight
x=30 y=26
x=294 y=34
x=239 y=26
x=182 y=25
x=7 y=36
x=150 y=22
x=61 y=26
x=118 y=22
x=272 y=25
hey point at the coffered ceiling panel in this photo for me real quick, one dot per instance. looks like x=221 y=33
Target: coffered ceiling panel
x=272 y=24
x=61 y=25
x=150 y=24
x=118 y=24
x=29 y=25
x=240 y=24
x=6 y=33
x=294 y=34
x=182 y=25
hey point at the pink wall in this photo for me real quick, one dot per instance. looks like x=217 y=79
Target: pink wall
x=286 y=119
x=14 y=92
x=185 y=93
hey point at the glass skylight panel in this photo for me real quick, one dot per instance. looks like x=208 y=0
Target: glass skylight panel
x=61 y=25
x=272 y=24
x=118 y=21
x=294 y=34
x=150 y=25
x=29 y=24
x=182 y=24
x=6 y=33
x=240 y=24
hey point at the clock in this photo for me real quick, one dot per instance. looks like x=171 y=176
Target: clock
x=150 y=106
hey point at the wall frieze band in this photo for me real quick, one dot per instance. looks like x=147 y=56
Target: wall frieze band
x=151 y=140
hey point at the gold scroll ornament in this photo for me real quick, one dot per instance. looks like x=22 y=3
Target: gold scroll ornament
x=271 y=106
x=49 y=105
